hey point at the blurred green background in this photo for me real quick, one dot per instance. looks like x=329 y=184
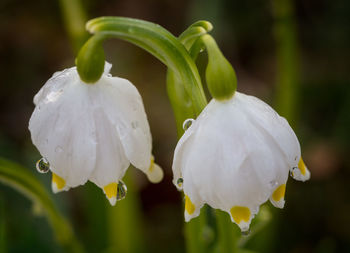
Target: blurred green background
x=293 y=57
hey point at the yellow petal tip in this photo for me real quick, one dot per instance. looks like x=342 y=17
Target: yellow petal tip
x=240 y=213
x=279 y=193
x=189 y=206
x=58 y=184
x=111 y=192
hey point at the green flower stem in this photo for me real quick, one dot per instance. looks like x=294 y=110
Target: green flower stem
x=23 y=181
x=179 y=98
x=160 y=43
x=200 y=233
x=228 y=236
x=287 y=59
x=125 y=222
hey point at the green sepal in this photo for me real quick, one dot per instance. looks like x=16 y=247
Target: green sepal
x=91 y=60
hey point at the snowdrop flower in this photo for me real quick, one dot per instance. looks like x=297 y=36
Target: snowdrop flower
x=92 y=131
x=236 y=156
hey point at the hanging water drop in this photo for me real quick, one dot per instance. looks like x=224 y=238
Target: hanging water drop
x=42 y=166
x=180 y=182
x=121 y=191
x=245 y=232
x=187 y=124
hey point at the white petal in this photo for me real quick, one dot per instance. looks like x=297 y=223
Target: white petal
x=111 y=162
x=130 y=118
x=180 y=154
x=62 y=128
x=55 y=86
x=276 y=126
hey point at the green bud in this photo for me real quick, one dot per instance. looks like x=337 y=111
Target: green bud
x=91 y=60
x=220 y=75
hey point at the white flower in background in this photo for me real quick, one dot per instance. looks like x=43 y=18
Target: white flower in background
x=236 y=156
x=92 y=131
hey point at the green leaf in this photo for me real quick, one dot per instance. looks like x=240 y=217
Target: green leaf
x=23 y=181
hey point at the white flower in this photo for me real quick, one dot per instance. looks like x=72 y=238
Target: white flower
x=236 y=156
x=92 y=131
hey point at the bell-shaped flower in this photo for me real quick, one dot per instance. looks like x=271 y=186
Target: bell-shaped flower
x=234 y=157
x=92 y=131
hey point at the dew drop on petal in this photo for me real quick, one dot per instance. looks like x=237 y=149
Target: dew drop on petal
x=121 y=191
x=292 y=171
x=58 y=149
x=180 y=182
x=187 y=124
x=134 y=124
x=273 y=183
x=245 y=232
x=42 y=165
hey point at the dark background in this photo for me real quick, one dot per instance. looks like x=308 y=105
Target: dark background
x=34 y=43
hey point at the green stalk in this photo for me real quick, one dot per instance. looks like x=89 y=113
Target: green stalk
x=23 y=181
x=179 y=98
x=160 y=43
x=287 y=59
x=124 y=222
x=228 y=235
x=183 y=109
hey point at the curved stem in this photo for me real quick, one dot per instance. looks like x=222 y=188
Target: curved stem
x=23 y=181
x=179 y=98
x=160 y=43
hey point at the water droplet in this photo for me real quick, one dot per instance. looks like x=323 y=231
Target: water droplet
x=291 y=173
x=121 y=191
x=58 y=149
x=273 y=183
x=245 y=232
x=134 y=124
x=109 y=75
x=42 y=166
x=187 y=124
x=180 y=182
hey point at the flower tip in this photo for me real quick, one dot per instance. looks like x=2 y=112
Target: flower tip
x=58 y=184
x=111 y=191
x=112 y=200
x=301 y=173
x=154 y=173
x=277 y=197
x=242 y=216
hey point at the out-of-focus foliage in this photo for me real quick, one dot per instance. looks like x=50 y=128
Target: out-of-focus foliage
x=34 y=44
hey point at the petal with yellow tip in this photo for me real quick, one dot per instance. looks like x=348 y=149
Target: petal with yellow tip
x=301 y=173
x=58 y=184
x=111 y=192
x=277 y=197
